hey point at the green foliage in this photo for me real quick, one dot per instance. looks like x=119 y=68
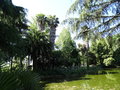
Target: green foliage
x=69 y=53
x=100 y=50
x=108 y=61
x=3 y=57
x=19 y=80
x=97 y=18
x=44 y=22
x=12 y=23
x=64 y=39
x=52 y=21
x=116 y=41
x=100 y=15
x=92 y=58
x=48 y=24
x=31 y=82
x=8 y=81
x=39 y=48
x=116 y=56
x=106 y=50
x=41 y=21
x=64 y=71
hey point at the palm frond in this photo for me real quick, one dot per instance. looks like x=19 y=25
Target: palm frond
x=19 y=80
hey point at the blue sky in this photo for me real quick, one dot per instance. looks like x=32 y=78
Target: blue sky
x=47 y=7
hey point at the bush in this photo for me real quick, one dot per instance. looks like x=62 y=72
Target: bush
x=108 y=61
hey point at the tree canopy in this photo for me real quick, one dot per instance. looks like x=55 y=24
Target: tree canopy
x=99 y=15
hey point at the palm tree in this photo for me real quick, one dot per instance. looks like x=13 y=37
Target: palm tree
x=19 y=80
x=53 y=23
x=38 y=48
x=41 y=21
x=48 y=22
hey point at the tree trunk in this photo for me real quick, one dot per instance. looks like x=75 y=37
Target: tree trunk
x=11 y=62
x=29 y=60
x=21 y=64
x=87 y=54
x=0 y=69
x=34 y=62
x=41 y=27
x=52 y=36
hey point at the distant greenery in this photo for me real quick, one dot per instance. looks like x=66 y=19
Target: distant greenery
x=68 y=53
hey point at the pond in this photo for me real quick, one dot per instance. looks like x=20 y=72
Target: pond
x=105 y=80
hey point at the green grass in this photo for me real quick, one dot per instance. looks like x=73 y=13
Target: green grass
x=102 y=81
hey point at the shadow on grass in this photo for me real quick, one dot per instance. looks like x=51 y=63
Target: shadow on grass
x=61 y=78
x=101 y=73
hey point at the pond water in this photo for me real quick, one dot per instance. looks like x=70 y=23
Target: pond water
x=105 y=80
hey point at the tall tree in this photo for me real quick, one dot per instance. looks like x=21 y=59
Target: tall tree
x=101 y=50
x=53 y=23
x=39 y=48
x=64 y=39
x=68 y=48
x=48 y=22
x=12 y=23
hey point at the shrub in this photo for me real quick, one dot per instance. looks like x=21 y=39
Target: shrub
x=108 y=61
